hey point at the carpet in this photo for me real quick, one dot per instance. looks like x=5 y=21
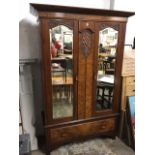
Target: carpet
x=96 y=146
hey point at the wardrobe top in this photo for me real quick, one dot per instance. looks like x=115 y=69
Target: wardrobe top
x=80 y=10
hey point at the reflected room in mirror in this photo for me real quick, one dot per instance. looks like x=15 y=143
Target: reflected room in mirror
x=108 y=39
x=61 y=50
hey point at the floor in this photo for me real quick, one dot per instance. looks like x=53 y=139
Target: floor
x=96 y=146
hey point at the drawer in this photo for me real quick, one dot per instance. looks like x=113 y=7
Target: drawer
x=130 y=90
x=66 y=134
x=130 y=81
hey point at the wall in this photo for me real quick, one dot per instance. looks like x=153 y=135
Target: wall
x=24 y=7
x=127 y=5
x=29 y=47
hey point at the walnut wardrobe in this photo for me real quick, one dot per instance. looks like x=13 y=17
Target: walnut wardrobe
x=82 y=51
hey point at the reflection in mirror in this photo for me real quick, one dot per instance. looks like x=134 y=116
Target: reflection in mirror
x=61 y=50
x=106 y=68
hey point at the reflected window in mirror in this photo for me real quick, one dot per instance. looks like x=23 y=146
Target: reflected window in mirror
x=107 y=48
x=61 y=50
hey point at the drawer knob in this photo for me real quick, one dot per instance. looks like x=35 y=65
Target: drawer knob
x=64 y=135
x=87 y=24
x=103 y=126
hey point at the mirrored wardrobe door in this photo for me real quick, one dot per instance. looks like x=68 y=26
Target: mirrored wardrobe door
x=106 y=59
x=62 y=83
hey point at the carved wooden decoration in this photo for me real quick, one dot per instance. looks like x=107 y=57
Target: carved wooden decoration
x=57 y=22
x=86 y=41
x=107 y=25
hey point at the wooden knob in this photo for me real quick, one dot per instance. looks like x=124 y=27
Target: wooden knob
x=87 y=24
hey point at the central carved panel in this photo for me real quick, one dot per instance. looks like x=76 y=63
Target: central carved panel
x=86 y=42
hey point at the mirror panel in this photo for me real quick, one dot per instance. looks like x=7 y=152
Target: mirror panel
x=61 y=51
x=108 y=39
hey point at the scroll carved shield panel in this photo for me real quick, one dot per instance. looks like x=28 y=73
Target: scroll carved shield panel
x=86 y=42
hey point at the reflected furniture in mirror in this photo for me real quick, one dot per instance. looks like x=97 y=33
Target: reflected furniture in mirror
x=105 y=87
x=82 y=52
x=108 y=38
x=61 y=39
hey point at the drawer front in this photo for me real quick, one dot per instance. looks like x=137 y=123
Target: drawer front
x=66 y=134
x=130 y=90
x=130 y=81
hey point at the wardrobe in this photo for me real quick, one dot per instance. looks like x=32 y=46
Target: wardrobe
x=82 y=51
